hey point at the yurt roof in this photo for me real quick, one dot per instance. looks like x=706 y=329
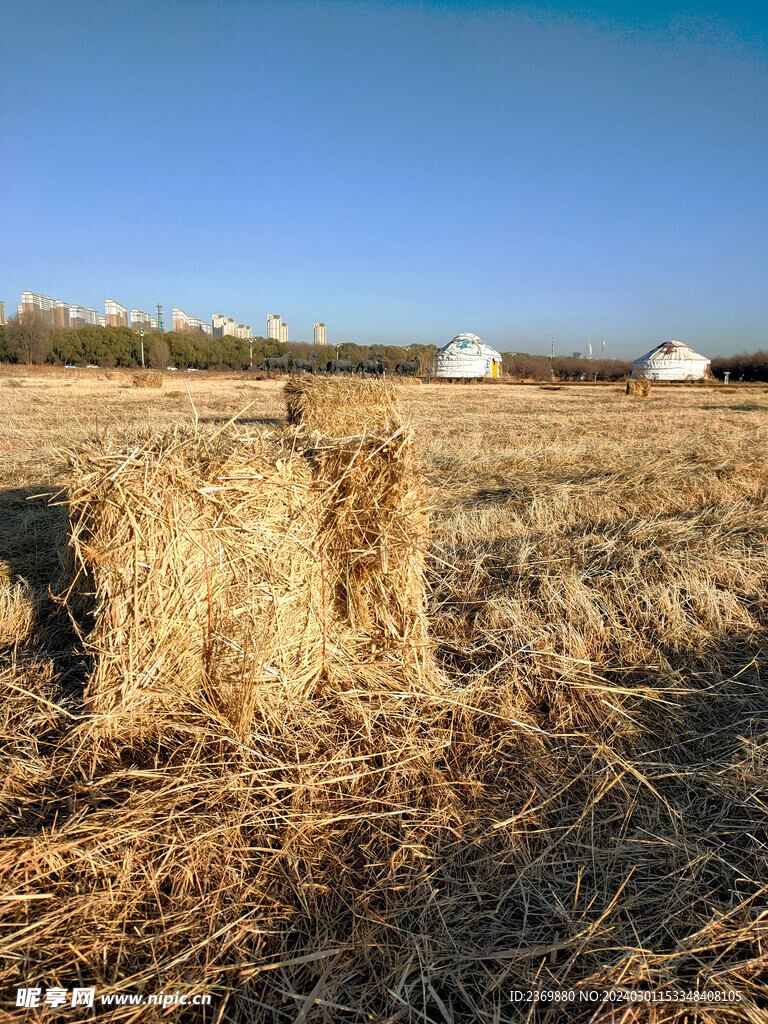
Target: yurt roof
x=672 y=351
x=470 y=345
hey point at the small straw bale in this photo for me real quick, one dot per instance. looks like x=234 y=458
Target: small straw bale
x=640 y=388
x=147 y=379
x=224 y=564
x=342 y=406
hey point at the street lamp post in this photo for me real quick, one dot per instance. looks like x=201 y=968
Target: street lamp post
x=141 y=333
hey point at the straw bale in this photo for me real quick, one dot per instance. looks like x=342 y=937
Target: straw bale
x=374 y=530
x=147 y=379
x=342 y=406
x=226 y=563
x=374 y=519
x=640 y=388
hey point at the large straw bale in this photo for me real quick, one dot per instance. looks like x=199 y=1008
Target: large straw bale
x=200 y=564
x=342 y=406
x=224 y=563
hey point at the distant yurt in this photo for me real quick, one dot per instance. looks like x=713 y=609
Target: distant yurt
x=467 y=356
x=671 y=360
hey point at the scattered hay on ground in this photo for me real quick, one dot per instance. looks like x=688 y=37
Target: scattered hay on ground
x=147 y=379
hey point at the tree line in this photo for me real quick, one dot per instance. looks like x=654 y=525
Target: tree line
x=523 y=366
x=749 y=367
x=26 y=340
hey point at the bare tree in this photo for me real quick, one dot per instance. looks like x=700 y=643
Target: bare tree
x=160 y=355
x=28 y=339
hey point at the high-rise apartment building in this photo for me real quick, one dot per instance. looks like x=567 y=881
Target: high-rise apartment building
x=115 y=314
x=141 y=321
x=180 y=319
x=223 y=325
x=61 y=316
x=320 y=334
x=41 y=306
x=58 y=314
x=83 y=316
x=276 y=328
x=183 y=322
x=2 y=312
x=274 y=320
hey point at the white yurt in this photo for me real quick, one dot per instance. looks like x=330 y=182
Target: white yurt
x=467 y=356
x=672 y=360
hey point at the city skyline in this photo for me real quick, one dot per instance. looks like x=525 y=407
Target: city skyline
x=57 y=313
x=518 y=173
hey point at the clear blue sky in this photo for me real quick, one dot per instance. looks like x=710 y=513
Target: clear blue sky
x=402 y=171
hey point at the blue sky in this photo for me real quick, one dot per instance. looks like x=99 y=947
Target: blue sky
x=402 y=171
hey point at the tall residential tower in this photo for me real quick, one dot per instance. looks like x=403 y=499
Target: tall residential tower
x=141 y=321
x=183 y=322
x=274 y=321
x=115 y=314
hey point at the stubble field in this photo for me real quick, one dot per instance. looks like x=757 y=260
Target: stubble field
x=580 y=809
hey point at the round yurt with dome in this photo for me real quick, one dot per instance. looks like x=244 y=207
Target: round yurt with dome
x=466 y=355
x=672 y=360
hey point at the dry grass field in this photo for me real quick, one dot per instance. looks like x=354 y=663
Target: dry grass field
x=576 y=802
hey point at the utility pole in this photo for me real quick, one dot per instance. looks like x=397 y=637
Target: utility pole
x=250 y=360
x=141 y=332
x=551 y=359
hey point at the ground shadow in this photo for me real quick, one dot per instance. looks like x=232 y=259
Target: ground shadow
x=33 y=535
x=744 y=407
x=33 y=553
x=261 y=421
x=489 y=496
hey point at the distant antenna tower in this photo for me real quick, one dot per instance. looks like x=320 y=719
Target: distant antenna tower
x=159 y=308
